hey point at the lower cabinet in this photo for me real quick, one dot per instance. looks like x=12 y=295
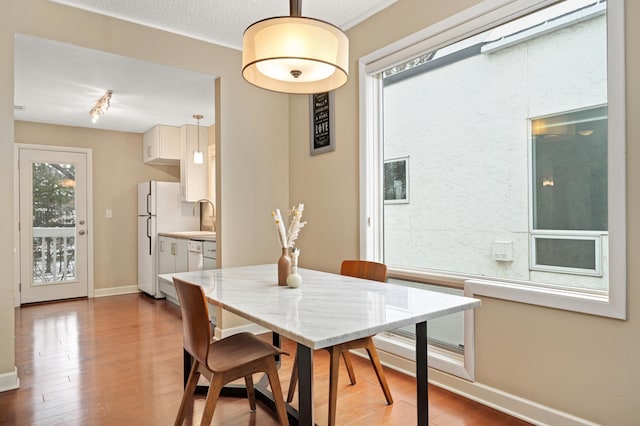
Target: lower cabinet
x=172 y=257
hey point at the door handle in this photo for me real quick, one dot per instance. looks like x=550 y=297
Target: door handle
x=149 y=199
x=149 y=233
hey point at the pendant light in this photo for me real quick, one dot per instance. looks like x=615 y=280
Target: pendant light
x=198 y=156
x=295 y=54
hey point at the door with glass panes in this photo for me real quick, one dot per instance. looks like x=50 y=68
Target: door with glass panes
x=53 y=224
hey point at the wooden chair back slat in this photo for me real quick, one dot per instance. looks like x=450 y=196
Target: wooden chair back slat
x=195 y=319
x=364 y=269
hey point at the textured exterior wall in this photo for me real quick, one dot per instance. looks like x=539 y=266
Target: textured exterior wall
x=465 y=127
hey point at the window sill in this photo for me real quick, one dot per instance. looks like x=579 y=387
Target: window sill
x=589 y=303
x=600 y=303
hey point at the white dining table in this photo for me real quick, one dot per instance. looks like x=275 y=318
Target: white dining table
x=325 y=310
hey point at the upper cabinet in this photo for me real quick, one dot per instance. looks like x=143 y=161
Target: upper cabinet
x=193 y=177
x=161 y=145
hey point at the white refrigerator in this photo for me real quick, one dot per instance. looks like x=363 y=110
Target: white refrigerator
x=160 y=209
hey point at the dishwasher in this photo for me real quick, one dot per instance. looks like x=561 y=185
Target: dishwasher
x=194 y=255
x=209 y=255
x=195 y=262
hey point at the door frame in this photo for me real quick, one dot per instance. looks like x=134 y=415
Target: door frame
x=16 y=211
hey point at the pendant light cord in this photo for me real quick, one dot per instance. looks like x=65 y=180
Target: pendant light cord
x=198 y=117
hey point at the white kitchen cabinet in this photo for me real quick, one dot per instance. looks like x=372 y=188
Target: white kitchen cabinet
x=161 y=145
x=172 y=257
x=193 y=177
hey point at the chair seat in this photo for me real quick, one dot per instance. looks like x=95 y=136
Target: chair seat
x=224 y=361
x=234 y=351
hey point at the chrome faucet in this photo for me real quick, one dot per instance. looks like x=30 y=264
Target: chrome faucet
x=206 y=200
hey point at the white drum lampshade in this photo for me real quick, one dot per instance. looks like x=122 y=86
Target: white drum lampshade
x=295 y=54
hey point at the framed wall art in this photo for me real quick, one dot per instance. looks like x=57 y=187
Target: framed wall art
x=321 y=120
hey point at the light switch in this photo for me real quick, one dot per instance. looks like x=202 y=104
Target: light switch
x=109 y=214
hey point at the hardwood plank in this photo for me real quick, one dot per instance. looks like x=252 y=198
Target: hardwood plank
x=118 y=360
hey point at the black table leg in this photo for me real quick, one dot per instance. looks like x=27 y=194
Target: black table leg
x=187 y=361
x=422 y=379
x=305 y=385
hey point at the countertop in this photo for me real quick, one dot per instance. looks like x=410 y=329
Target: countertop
x=191 y=235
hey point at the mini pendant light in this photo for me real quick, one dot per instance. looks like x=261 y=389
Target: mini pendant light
x=295 y=54
x=198 y=156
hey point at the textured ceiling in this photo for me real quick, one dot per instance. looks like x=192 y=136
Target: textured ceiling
x=224 y=21
x=58 y=83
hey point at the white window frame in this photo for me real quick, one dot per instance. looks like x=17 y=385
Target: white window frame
x=594 y=236
x=478 y=18
x=404 y=200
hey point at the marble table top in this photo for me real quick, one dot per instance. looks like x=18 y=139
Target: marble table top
x=326 y=309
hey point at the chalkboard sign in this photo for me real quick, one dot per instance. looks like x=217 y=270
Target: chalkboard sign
x=322 y=139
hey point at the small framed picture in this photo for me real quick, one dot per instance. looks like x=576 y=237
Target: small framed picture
x=321 y=120
x=396 y=181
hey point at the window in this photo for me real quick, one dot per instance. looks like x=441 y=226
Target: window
x=569 y=196
x=514 y=123
x=396 y=180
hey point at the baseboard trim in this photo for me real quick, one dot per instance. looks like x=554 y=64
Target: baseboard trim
x=9 y=381
x=521 y=408
x=250 y=328
x=513 y=405
x=115 y=291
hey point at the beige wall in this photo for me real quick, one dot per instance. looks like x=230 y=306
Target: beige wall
x=580 y=364
x=577 y=363
x=251 y=134
x=117 y=169
x=7 y=228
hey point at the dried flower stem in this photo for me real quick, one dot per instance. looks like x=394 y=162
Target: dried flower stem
x=287 y=238
x=282 y=236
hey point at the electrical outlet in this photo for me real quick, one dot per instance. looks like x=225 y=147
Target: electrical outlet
x=109 y=214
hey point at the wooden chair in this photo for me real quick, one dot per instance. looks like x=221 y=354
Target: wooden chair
x=222 y=361
x=359 y=269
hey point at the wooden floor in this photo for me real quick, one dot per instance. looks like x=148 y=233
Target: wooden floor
x=118 y=361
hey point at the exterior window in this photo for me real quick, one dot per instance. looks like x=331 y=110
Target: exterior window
x=516 y=138
x=396 y=173
x=569 y=194
x=502 y=185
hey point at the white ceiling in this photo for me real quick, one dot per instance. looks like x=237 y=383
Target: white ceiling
x=58 y=83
